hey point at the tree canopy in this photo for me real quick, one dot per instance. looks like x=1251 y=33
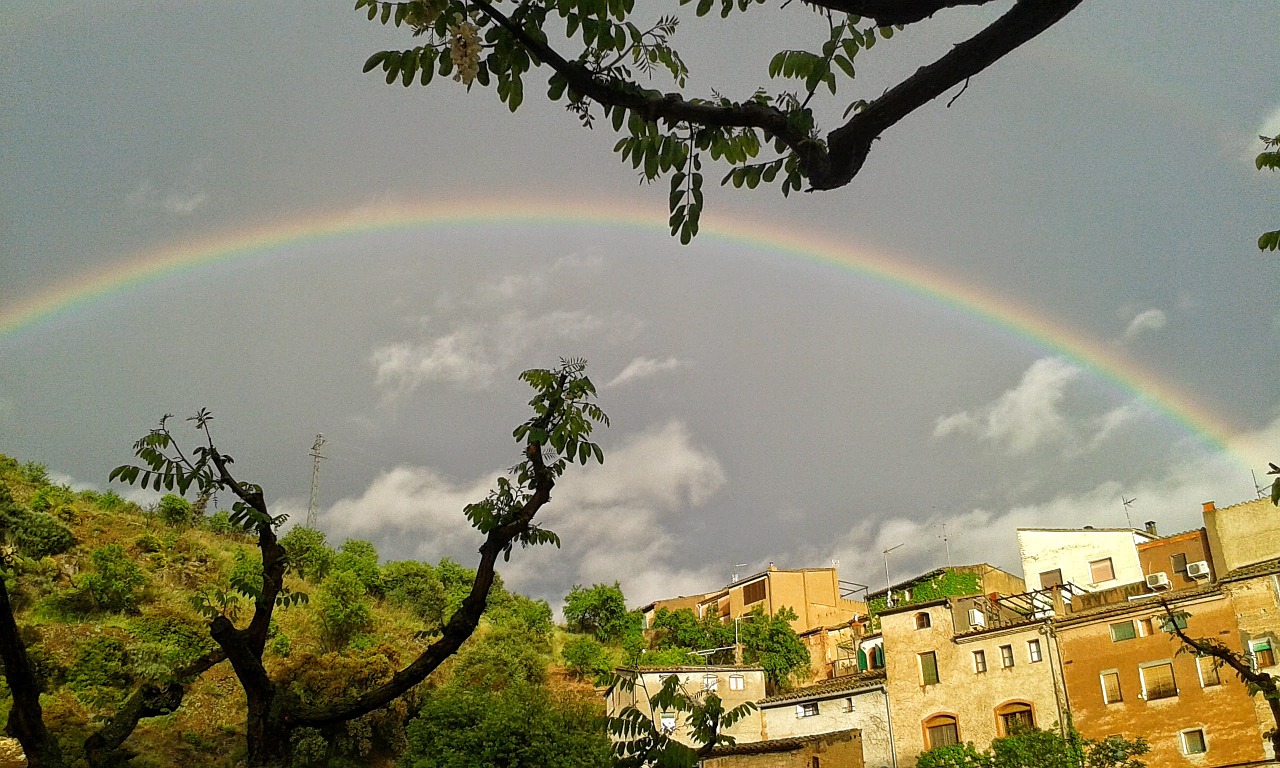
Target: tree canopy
x=601 y=57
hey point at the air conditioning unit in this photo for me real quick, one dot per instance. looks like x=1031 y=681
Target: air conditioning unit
x=1158 y=580
x=1198 y=569
x=977 y=618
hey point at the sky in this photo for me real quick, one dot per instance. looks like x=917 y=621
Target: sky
x=1032 y=304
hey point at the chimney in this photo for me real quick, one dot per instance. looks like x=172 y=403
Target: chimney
x=1151 y=527
x=1208 y=506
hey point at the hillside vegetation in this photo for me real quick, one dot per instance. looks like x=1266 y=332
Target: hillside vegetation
x=109 y=595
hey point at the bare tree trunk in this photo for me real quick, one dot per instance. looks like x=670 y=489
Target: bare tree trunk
x=26 y=719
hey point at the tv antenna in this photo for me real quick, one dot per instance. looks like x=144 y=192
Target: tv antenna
x=315 y=480
x=1126 y=502
x=946 y=542
x=736 y=566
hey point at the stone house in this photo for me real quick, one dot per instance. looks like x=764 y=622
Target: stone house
x=858 y=702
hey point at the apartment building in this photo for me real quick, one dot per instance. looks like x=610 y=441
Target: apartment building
x=1127 y=674
x=955 y=675
x=734 y=685
x=815 y=594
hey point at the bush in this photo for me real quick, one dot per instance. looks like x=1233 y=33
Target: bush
x=360 y=557
x=520 y=727
x=342 y=609
x=501 y=658
x=38 y=535
x=585 y=657
x=220 y=522
x=100 y=672
x=174 y=510
x=308 y=554
x=415 y=586
x=116 y=583
x=52 y=497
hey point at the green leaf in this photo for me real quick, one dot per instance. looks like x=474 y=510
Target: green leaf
x=1269 y=241
x=844 y=64
x=704 y=6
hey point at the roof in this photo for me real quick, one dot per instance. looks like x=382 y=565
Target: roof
x=1138 y=531
x=835 y=685
x=914 y=606
x=782 y=745
x=980 y=568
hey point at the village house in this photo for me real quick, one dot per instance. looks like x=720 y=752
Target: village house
x=971 y=669
x=734 y=685
x=858 y=701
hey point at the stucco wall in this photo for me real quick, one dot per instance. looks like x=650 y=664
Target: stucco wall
x=1071 y=552
x=970 y=696
x=650 y=682
x=870 y=714
x=1243 y=534
x=1257 y=608
x=1224 y=711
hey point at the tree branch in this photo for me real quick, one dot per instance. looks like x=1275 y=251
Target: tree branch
x=26 y=718
x=849 y=144
x=888 y=13
x=149 y=700
x=655 y=105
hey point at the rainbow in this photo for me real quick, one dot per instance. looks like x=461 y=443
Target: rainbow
x=1099 y=359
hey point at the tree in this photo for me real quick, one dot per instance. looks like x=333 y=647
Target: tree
x=598 y=50
x=600 y=611
x=1269 y=241
x=771 y=642
x=308 y=553
x=585 y=657
x=557 y=434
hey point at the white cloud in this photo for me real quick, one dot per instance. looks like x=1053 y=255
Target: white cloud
x=1172 y=499
x=180 y=197
x=643 y=368
x=614 y=520
x=1023 y=417
x=1147 y=321
x=475 y=355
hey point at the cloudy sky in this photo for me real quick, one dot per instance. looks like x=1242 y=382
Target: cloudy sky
x=1080 y=313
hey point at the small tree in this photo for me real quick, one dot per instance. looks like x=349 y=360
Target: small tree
x=116 y=582
x=770 y=642
x=600 y=611
x=308 y=553
x=585 y=657
x=342 y=608
x=174 y=510
x=557 y=434
x=1035 y=748
x=638 y=742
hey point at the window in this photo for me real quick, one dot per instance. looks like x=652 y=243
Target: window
x=1146 y=628
x=1111 y=687
x=1263 y=655
x=1157 y=681
x=942 y=731
x=848 y=704
x=979 y=661
x=1101 y=570
x=710 y=682
x=668 y=722
x=1006 y=656
x=1179 y=621
x=808 y=709
x=815 y=763
x=922 y=621
x=1122 y=630
x=928 y=668
x=1193 y=742
x=1208 y=668
x=1033 y=651
x=753 y=592
x=1178 y=564
x=1015 y=717
x=1051 y=578
x=736 y=682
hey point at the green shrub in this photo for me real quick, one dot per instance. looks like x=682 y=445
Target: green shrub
x=308 y=553
x=415 y=586
x=500 y=658
x=51 y=497
x=100 y=674
x=174 y=510
x=38 y=535
x=585 y=657
x=220 y=522
x=360 y=557
x=116 y=583
x=342 y=609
